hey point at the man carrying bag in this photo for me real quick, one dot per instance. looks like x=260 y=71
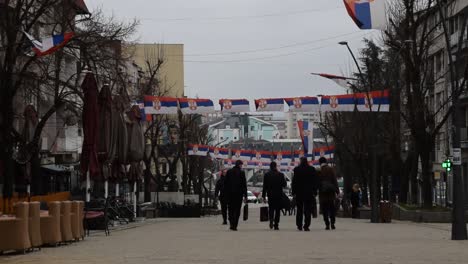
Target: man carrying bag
x=235 y=188
x=273 y=184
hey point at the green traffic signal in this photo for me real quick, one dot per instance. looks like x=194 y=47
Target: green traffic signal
x=447 y=164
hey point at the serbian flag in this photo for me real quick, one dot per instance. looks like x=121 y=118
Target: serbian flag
x=303 y=104
x=160 y=105
x=141 y=106
x=306 y=130
x=270 y=105
x=340 y=80
x=51 y=44
x=375 y=101
x=337 y=103
x=298 y=154
x=197 y=150
x=234 y=105
x=367 y=14
x=228 y=163
x=283 y=156
x=219 y=153
x=285 y=167
x=196 y=106
x=263 y=156
x=262 y=165
x=326 y=152
x=241 y=154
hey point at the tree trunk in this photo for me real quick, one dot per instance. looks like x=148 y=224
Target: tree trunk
x=404 y=181
x=414 y=179
x=427 y=179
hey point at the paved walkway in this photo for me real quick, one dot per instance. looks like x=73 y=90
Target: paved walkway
x=171 y=241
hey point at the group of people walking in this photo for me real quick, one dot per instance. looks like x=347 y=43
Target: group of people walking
x=306 y=184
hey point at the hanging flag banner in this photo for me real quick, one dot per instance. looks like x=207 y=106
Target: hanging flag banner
x=367 y=14
x=306 y=131
x=326 y=152
x=375 y=101
x=338 y=103
x=269 y=105
x=160 y=105
x=340 y=80
x=141 y=106
x=234 y=105
x=262 y=165
x=196 y=106
x=303 y=104
x=241 y=154
x=219 y=153
x=298 y=154
x=228 y=163
x=262 y=156
x=197 y=150
x=51 y=44
x=283 y=156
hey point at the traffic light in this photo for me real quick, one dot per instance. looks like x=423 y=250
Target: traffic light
x=447 y=165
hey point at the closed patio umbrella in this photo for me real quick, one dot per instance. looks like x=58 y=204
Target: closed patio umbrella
x=136 y=149
x=121 y=146
x=89 y=159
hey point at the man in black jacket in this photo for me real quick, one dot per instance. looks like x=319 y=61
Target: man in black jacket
x=235 y=187
x=273 y=184
x=219 y=192
x=304 y=189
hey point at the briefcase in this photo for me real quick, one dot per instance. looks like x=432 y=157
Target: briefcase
x=264 y=214
x=246 y=212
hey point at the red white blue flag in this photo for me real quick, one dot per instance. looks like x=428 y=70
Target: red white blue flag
x=196 y=106
x=306 y=130
x=367 y=14
x=326 y=152
x=262 y=156
x=219 y=153
x=228 y=163
x=197 y=150
x=241 y=154
x=340 y=80
x=283 y=156
x=269 y=104
x=51 y=44
x=234 y=105
x=141 y=106
x=375 y=101
x=160 y=105
x=338 y=103
x=303 y=104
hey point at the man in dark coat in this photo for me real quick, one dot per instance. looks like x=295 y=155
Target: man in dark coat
x=219 y=192
x=327 y=194
x=273 y=184
x=235 y=188
x=304 y=189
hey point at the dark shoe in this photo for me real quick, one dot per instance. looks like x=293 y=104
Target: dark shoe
x=233 y=228
x=271 y=225
x=224 y=223
x=276 y=228
x=299 y=228
x=333 y=227
x=306 y=229
x=327 y=228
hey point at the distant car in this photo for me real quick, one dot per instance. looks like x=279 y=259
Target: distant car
x=251 y=198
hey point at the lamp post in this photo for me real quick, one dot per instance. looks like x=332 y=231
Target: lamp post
x=373 y=140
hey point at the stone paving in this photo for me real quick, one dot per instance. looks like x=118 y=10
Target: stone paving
x=173 y=241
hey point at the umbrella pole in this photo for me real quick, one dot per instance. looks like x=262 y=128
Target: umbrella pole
x=117 y=189
x=28 y=192
x=106 y=189
x=88 y=188
x=134 y=199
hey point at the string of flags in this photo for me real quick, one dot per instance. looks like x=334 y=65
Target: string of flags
x=260 y=165
x=375 y=101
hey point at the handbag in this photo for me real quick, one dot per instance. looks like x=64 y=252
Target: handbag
x=246 y=212
x=264 y=217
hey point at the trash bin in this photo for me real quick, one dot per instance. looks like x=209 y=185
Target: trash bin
x=385 y=212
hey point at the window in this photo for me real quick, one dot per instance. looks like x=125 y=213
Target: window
x=221 y=138
x=252 y=128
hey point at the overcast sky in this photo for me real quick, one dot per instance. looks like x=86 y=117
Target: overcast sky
x=249 y=48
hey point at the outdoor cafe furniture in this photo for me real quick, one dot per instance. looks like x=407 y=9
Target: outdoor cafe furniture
x=65 y=221
x=35 y=224
x=15 y=230
x=50 y=225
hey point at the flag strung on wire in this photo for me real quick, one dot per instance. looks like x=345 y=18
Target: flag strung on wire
x=367 y=14
x=241 y=154
x=262 y=156
x=303 y=104
x=219 y=153
x=269 y=104
x=344 y=82
x=326 y=152
x=283 y=156
x=196 y=106
x=50 y=44
x=228 y=163
x=338 y=103
x=141 y=106
x=197 y=150
x=306 y=131
x=155 y=105
x=234 y=105
x=375 y=101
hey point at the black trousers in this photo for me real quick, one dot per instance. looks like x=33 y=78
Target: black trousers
x=304 y=211
x=274 y=211
x=329 y=212
x=234 y=210
x=224 y=206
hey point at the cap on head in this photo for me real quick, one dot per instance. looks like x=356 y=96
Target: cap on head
x=238 y=163
x=322 y=160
